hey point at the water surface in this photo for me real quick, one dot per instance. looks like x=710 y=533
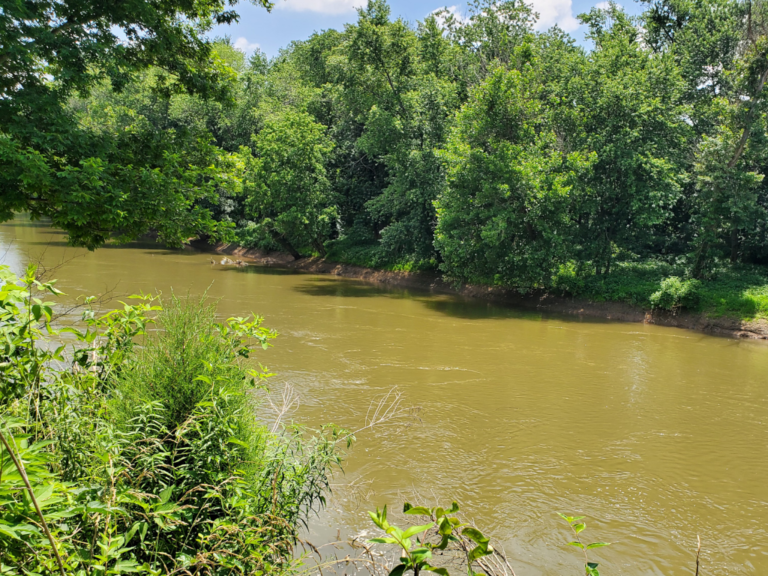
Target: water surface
x=655 y=434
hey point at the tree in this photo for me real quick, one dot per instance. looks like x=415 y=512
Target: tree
x=505 y=215
x=288 y=193
x=624 y=105
x=52 y=166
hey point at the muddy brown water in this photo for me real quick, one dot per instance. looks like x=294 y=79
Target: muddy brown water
x=655 y=434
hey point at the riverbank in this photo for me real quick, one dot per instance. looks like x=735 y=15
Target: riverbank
x=721 y=325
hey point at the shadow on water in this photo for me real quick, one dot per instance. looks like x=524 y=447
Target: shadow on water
x=262 y=270
x=477 y=310
x=451 y=305
x=345 y=288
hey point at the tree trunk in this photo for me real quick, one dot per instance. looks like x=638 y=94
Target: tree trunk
x=734 y=245
x=285 y=244
x=318 y=246
x=698 y=263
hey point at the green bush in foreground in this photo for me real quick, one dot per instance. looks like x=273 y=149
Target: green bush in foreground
x=448 y=541
x=145 y=459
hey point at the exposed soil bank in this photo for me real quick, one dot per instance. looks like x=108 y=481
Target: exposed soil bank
x=723 y=326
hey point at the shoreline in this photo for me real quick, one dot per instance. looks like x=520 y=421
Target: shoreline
x=433 y=282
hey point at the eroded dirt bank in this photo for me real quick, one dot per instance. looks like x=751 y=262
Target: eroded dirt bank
x=731 y=327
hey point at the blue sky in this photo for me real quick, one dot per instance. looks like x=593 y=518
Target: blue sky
x=298 y=19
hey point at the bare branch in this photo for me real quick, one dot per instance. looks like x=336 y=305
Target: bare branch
x=289 y=400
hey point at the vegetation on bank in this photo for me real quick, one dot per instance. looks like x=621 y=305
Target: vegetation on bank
x=137 y=448
x=739 y=292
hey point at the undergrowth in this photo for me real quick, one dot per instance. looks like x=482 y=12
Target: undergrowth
x=739 y=291
x=138 y=450
x=735 y=291
x=369 y=254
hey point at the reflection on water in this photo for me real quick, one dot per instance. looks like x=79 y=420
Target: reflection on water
x=655 y=434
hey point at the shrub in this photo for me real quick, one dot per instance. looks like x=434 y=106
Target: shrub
x=146 y=459
x=675 y=293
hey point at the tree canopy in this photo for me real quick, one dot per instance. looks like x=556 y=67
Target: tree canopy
x=95 y=182
x=476 y=145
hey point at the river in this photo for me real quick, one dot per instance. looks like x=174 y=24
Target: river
x=655 y=434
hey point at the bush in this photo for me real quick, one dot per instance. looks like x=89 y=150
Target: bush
x=675 y=293
x=146 y=459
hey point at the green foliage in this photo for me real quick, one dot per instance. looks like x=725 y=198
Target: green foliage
x=476 y=145
x=52 y=165
x=740 y=292
x=289 y=196
x=188 y=358
x=628 y=111
x=146 y=459
x=504 y=215
x=675 y=293
x=24 y=320
x=443 y=528
x=577 y=526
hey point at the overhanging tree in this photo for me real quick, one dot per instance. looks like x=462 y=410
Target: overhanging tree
x=90 y=184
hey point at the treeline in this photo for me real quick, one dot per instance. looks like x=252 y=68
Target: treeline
x=480 y=146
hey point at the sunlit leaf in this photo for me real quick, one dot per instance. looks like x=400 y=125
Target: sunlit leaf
x=413 y=530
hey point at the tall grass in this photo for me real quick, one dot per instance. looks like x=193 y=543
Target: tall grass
x=143 y=450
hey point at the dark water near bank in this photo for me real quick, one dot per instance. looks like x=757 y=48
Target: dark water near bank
x=655 y=434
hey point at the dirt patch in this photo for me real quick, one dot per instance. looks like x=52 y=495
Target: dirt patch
x=433 y=282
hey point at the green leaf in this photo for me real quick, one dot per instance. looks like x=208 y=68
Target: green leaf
x=579 y=527
x=398 y=570
x=383 y=540
x=413 y=530
x=598 y=544
x=124 y=566
x=417 y=510
x=479 y=552
x=166 y=494
x=577 y=544
x=475 y=535
x=237 y=441
x=446 y=527
x=375 y=516
x=143 y=530
x=441 y=571
x=44 y=493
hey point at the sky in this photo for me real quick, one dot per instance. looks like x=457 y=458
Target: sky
x=298 y=19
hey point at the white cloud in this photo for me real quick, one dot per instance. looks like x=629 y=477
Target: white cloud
x=603 y=5
x=243 y=44
x=550 y=12
x=553 y=12
x=454 y=10
x=322 y=6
